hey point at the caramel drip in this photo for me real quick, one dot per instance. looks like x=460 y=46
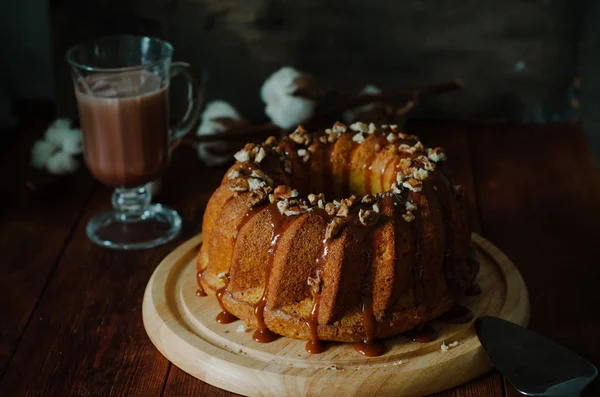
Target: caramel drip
x=347 y=169
x=279 y=225
x=422 y=334
x=457 y=315
x=200 y=291
x=384 y=168
x=315 y=346
x=369 y=347
x=224 y=317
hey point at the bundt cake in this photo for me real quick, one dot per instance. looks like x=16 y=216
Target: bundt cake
x=350 y=234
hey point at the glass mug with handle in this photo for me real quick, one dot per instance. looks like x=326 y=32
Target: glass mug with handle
x=122 y=89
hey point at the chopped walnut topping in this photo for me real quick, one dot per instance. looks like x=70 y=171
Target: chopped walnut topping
x=271 y=141
x=359 y=127
x=259 y=195
x=333 y=135
x=334 y=228
x=239 y=185
x=300 y=136
x=396 y=189
x=282 y=206
x=408 y=216
x=420 y=174
x=349 y=202
x=368 y=217
x=405 y=164
x=410 y=205
x=233 y=174
x=372 y=128
x=323 y=139
x=408 y=137
x=368 y=199
x=376 y=207
x=255 y=183
x=292 y=212
x=339 y=127
x=400 y=177
x=314 y=283
x=314 y=198
x=222 y=275
x=242 y=155
x=331 y=209
x=358 y=138
x=337 y=203
x=321 y=204
x=304 y=155
x=286 y=192
x=385 y=126
x=424 y=160
x=419 y=146
x=413 y=184
x=391 y=137
x=260 y=155
x=445 y=347
x=256 y=173
x=436 y=155
x=343 y=210
x=271 y=198
x=394 y=127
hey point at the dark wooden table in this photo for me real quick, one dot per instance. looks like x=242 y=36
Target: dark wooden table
x=70 y=312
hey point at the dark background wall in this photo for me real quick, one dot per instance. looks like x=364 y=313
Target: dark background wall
x=520 y=60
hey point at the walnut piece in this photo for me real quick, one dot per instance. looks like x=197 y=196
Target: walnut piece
x=334 y=228
x=343 y=211
x=331 y=209
x=286 y=192
x=239 y=185
x=368 y=217
x=436 y=155
x=408 y=216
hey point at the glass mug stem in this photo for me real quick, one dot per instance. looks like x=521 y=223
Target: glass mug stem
x=132 y=204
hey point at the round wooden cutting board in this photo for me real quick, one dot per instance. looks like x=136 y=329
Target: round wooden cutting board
x=183 y=328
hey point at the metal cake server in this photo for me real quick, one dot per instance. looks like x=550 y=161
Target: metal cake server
x=533 y=364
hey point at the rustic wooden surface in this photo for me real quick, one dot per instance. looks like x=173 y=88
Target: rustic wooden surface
x=70 y=312
x=184 y=330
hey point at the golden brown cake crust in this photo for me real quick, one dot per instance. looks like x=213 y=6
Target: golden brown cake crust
x=349 y=234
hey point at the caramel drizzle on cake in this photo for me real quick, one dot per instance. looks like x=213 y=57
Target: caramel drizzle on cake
x=265 y=172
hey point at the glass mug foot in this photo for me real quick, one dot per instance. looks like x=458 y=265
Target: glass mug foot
x=157 y=225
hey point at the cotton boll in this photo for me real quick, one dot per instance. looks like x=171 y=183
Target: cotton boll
x=41 y=153
x=217 y=117
x=280 y=83
x=61 y=163
x=289 y=111
x=213 y=111
x=68 y=139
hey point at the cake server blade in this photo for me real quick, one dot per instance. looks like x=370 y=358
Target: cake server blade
x=533 y=364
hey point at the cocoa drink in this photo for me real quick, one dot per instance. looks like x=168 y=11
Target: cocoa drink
x=125 y=122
